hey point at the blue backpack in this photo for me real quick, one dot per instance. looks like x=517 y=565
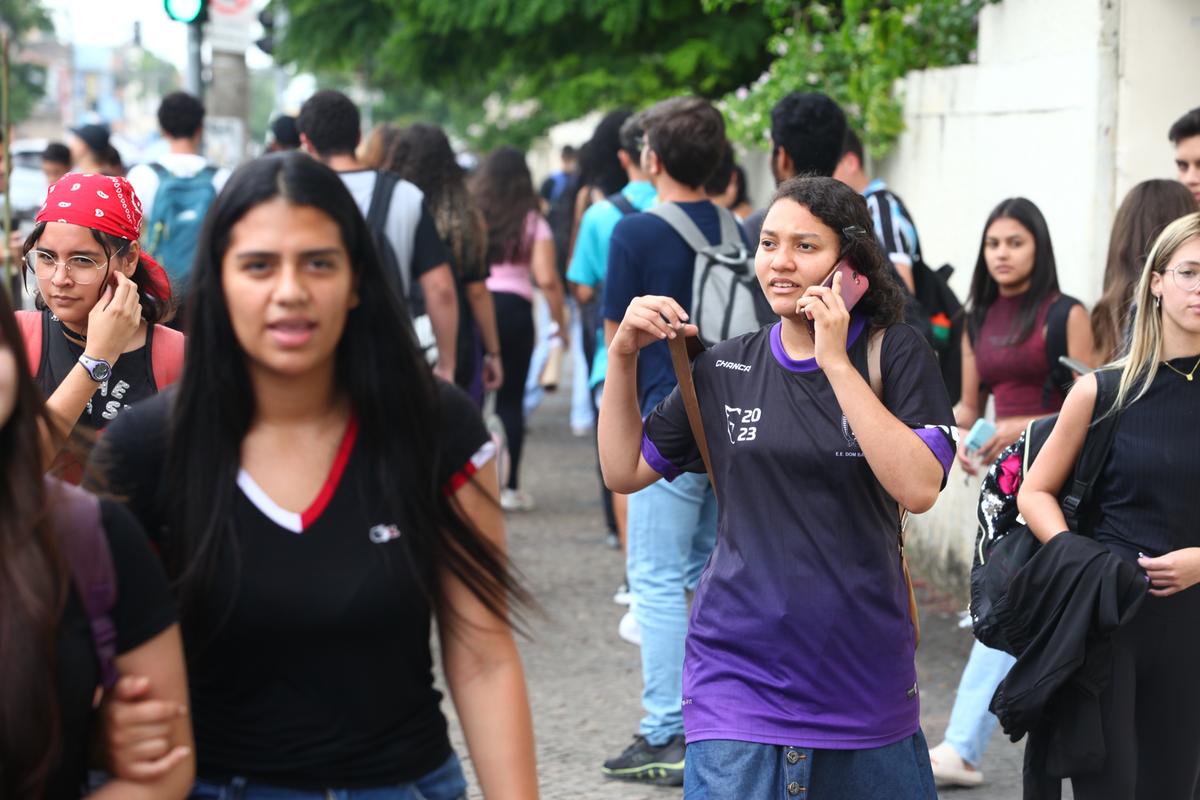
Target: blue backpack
x=179 y=208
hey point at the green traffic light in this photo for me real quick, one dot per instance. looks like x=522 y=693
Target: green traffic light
x=184 y=10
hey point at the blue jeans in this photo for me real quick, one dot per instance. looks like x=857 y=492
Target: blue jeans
x=718 y=769
x=444 y=783
x=583 y=415
x=672 y=529
x=971 y=724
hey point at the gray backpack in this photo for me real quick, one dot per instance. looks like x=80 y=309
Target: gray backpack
x=726 y=298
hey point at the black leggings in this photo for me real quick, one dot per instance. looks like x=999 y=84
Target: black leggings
x=514 y=319
x=1151 y=709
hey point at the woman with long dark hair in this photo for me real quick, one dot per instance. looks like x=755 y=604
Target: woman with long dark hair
x=52 y=664
x=1143 y=214
x=318 y=497
x=520 y=253
x=799 y=656
x=1010 y=314
x=96 y=344
x=1145 y=512
x=421 y=154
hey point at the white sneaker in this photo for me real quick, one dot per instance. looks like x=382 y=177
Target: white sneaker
x=949 y=769
x=515 y=500
x=623 y=596
x=628 y=629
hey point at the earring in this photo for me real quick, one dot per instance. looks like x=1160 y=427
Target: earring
x=1158 y=301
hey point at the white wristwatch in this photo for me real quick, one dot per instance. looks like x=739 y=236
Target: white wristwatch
x=98 y=368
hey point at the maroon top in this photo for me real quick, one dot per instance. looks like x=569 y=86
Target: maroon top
x=1015 y=374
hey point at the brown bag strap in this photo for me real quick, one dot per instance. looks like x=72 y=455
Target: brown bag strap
x=875 y=378
x=687 y=390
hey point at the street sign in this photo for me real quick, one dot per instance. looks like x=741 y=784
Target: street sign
x=229 y=25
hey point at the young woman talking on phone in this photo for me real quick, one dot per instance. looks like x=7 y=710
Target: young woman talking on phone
x=1014 y=313
x=95 y=347
x=799 y=666
x=1145 y=511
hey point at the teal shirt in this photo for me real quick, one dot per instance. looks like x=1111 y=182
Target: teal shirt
x=589 y=263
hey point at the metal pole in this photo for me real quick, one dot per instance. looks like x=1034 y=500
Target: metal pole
x=195 y=71
x=7 y=130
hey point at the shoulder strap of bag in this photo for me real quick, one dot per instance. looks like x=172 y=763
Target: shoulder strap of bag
x=678 y=219
x=622 y=203
x=80 y=534
x=381 y=199
x=875 y=378
x=687 y=390
x=30 y=323
x=1056 y=346
x=166 y=356
x=1095 y=450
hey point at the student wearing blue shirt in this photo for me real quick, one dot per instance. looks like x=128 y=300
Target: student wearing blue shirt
x=672 y=525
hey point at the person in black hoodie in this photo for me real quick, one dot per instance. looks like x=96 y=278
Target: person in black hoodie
x=1145 y=513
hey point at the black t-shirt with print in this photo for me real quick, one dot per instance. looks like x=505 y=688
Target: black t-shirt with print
x=144 y=609
x=309 y=662
x=799 y=631
x=132 y=376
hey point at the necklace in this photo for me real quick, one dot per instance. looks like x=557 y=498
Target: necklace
x=1187 y=375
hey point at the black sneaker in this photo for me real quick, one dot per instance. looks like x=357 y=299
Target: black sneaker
x=641 y=761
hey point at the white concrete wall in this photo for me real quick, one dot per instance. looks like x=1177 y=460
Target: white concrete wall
x=1068 y=105
x=1159 y=65
x=1030 y=118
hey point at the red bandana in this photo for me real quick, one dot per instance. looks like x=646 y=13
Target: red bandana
x=105 y=204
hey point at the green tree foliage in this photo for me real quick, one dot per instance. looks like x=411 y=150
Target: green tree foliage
x=499 y=70
x=854 y=51
x=26 y=81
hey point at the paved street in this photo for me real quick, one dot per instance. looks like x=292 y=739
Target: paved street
x=584 y=681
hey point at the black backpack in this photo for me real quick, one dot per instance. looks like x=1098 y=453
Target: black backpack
x=561 y=218
x=932 y=308
x=1004 y=542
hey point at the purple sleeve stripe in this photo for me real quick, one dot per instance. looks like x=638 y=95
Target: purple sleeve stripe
x=937 y=441
x=656 y=461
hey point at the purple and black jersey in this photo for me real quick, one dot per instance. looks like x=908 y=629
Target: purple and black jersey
x=800 y=632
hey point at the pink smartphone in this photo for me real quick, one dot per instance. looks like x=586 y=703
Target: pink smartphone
x=854 y=286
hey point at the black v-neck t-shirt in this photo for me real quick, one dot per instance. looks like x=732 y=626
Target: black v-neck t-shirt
x=309 y=662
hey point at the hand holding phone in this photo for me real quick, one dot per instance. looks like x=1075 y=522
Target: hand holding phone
x=853 y=286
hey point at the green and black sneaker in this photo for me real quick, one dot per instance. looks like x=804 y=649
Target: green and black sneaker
x=641 y=761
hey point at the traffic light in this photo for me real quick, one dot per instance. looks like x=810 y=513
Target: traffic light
x=266 y=18
x=187 y=10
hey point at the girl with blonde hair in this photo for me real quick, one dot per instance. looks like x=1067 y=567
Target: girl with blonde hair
x=1146 y=511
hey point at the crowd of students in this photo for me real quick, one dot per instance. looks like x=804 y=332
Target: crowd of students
x=291 y=504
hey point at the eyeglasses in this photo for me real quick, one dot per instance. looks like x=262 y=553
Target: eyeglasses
x=1187 y=277
x=81 y=269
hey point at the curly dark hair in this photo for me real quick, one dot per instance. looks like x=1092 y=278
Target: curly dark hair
x=845 y=211
x=503 y=190
x=180 y=115
x=331 y=122
x=422 y=154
